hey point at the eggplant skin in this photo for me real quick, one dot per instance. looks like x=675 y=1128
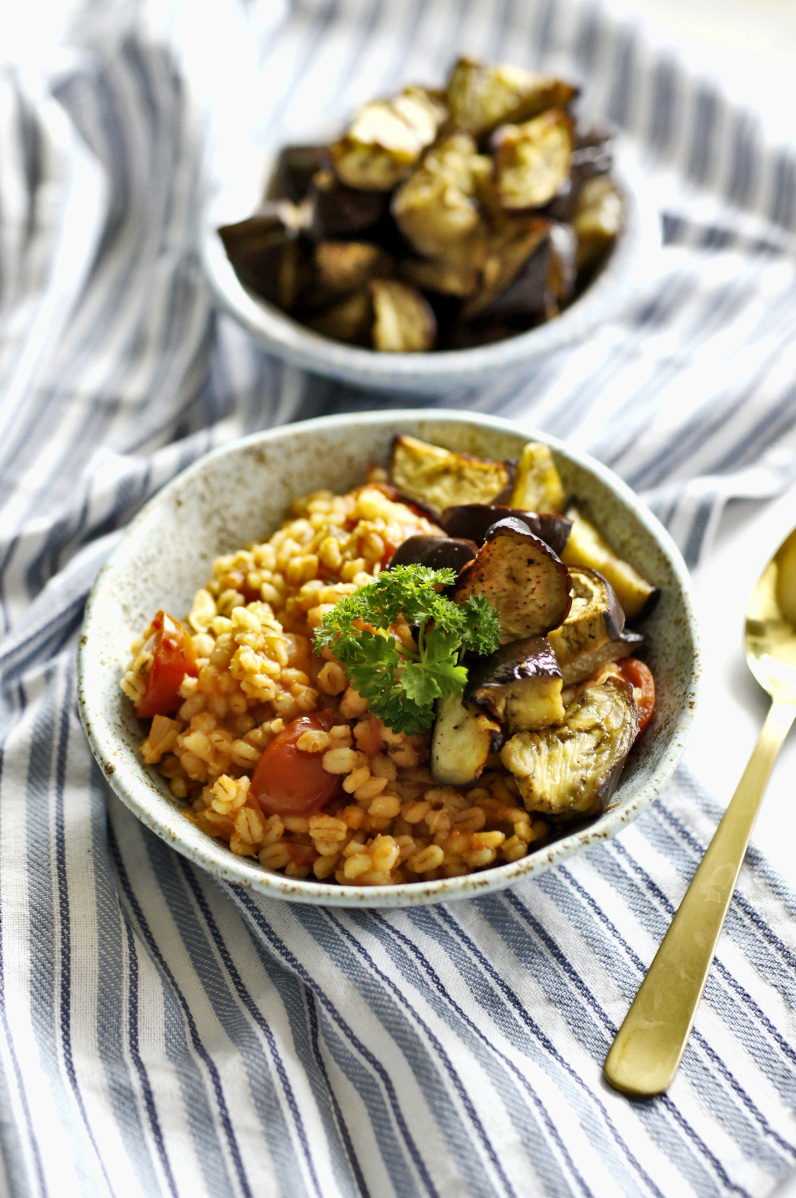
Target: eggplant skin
x=438 y=553
x=520 y=685
x=462 y=741
x=594 y=631
x=473 y=520
x=570 y=771
x=523 y=579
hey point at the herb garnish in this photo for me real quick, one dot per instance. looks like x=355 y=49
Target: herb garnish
x=401 y=684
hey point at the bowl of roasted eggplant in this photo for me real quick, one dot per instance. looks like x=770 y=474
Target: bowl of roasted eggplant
x=438 y=236
x=491 y=627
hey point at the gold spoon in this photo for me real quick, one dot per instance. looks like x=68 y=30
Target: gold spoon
x=649 y=1045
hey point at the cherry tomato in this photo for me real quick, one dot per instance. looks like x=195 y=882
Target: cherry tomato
x=288 y=781
x=174 y=657
x=639 y=675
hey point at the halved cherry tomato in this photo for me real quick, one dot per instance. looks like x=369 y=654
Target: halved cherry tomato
x=288 y=781
x=639 y=676
x=174 y=657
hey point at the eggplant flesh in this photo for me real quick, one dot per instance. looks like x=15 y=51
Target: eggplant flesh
x=482 y=96
x=532 y=160
x=537 y=483
x=598 y=217
x=385 y=138
x=436 y=206
x=523 y=579
x=441 y=478
x=438 y=553
x=462 y=741
x=474 y=519
x=588 y=547
x=571 y=770
x=593 y=632
x=520 y=685
x=403 y=320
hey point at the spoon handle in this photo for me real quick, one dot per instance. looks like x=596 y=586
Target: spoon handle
x=649 y=1045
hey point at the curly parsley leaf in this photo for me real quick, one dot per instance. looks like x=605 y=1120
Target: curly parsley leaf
x=401 y=683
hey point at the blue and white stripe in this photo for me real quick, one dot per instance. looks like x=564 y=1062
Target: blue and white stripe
x=163 y=1034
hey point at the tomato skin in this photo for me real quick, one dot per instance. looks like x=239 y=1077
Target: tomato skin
x=287 y=781
x=639 y=675
x=174 y=657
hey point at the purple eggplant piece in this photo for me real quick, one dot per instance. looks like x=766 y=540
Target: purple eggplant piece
x=594 y=631
x=294 y=169
x=520 y=685
x=474 y=519
x=523 y=579
x=268 y=256
x=438 y=553
x=341 y=212
x=570 y=771
x=526 y=295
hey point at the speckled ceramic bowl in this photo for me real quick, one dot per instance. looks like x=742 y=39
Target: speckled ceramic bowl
x=239 y=494
x=432 y=373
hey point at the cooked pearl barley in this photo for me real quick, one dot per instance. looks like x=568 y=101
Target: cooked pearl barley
x=339 y=761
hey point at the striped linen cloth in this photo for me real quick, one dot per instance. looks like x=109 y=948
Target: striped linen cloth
x=165 y=1034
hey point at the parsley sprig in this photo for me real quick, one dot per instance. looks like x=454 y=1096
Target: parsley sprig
x=402 y=684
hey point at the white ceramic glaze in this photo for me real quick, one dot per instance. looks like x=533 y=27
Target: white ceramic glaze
x=239 y=494
x=428 y=374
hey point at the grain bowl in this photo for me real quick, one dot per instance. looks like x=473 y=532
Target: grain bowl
x=205 y=514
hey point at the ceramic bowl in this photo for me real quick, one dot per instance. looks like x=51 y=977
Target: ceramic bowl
x=239 y=494
x=433 y=373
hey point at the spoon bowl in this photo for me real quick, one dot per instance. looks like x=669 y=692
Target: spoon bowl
x=771 y=624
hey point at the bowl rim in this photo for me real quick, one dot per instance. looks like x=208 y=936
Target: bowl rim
x=629 y=261
x=126 y=781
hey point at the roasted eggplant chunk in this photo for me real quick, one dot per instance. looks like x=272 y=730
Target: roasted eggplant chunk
x=463 y=740
x=340 y=268
x=514 y=276
x=588 y=547
x=438 y=553
x=336 y=211
x=441 y=478
x=268 y=256
x=386 y=138
x=457 y=272
x=436 y=206
x=594 y=631
x=350 y=320
x=537 y=484
x=475 y=519
x=599 y=211
x=295 y=167
x=523 y=579
x=403 y=319
x=520 y=685
x=532 y=160
x=482 y=96
x=571 y=770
